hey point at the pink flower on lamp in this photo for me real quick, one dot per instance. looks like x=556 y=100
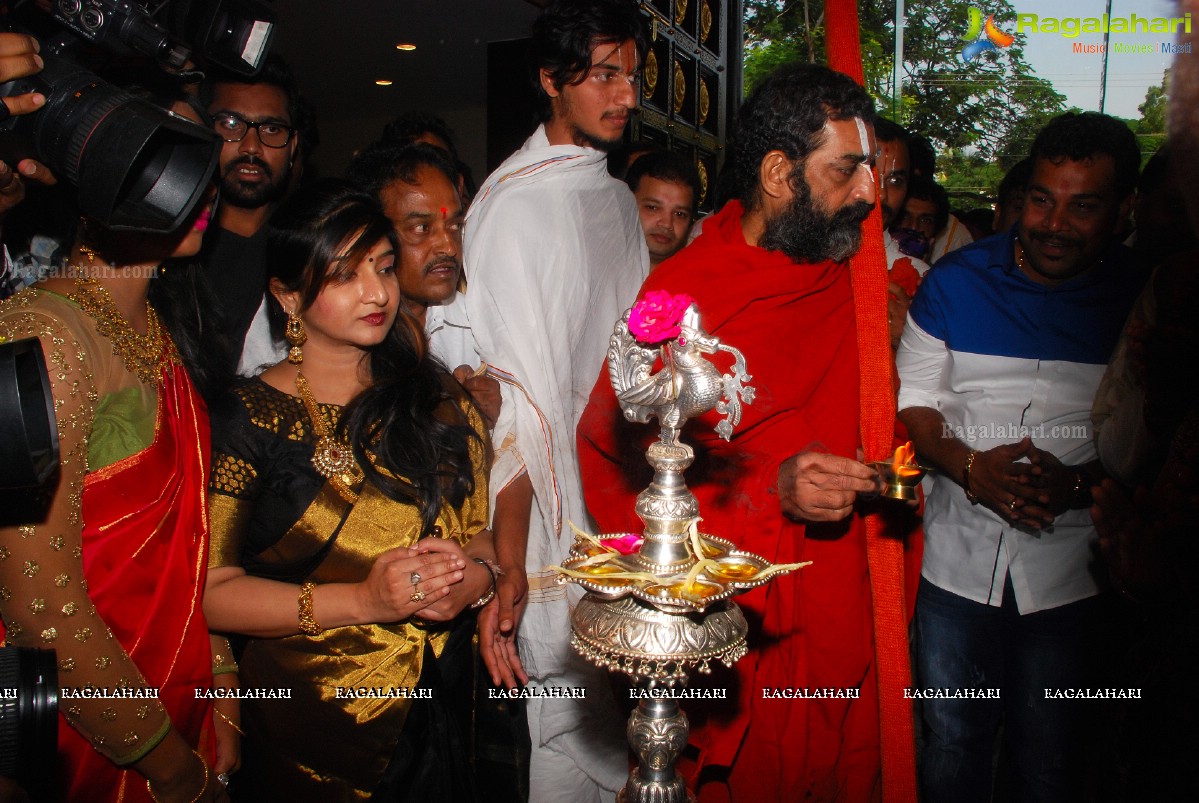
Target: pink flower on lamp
x=625 y=544
x=656 y=318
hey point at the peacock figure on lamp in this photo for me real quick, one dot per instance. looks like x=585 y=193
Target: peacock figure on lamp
x=658 y=605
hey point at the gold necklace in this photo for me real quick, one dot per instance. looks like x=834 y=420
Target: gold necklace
x=144 y=355
x=332 y=459
x=1020 y=256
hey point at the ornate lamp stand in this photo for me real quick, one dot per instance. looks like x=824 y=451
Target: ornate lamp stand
x=660 y=610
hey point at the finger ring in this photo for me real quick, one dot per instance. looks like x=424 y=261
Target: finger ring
x=414 y=578
x=417 y=596
x=223 y=778
x=1012 y=505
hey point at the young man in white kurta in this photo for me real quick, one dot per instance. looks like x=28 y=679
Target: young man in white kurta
x=555 y=255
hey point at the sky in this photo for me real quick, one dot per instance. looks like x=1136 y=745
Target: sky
x=1077 y=75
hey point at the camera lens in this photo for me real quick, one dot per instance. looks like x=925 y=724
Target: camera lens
x=28 y=713
x=137 y=166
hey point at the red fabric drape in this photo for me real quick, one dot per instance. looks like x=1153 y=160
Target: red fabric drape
x=145 y=557
x=884 y=551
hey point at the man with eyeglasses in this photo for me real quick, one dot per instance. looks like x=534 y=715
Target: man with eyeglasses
x=260 y=120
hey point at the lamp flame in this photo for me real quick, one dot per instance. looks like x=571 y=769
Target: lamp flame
x=903 y=464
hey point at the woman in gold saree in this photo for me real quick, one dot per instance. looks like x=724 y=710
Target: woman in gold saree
x=348 y=509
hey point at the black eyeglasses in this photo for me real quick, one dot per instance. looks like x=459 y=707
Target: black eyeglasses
x=234 y=127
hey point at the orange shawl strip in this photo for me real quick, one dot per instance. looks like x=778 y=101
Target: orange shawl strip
x=884 y=552
x=145 y=557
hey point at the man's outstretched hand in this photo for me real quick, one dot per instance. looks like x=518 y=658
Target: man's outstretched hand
x=814 y=486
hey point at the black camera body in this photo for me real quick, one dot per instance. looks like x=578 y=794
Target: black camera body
x=114 y=23
x=232 y=34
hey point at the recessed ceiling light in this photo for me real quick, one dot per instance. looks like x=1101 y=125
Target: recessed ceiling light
x=405 y=46
x=383 y=82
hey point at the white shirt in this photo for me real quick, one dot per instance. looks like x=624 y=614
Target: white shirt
x=1001 y=358
x=555 y=254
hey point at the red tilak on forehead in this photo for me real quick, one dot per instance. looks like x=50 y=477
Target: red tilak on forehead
x=443 y=213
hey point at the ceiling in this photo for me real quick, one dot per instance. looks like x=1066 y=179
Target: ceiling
x=339 y=49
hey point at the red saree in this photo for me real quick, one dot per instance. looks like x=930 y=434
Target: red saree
x=145 y=557
x=796 y=326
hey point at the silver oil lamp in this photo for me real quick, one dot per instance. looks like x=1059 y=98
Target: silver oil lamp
x=659 y=604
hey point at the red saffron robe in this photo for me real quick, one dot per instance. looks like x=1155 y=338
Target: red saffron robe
x=812 y=629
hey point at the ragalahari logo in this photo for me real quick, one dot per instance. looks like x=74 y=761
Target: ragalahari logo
x=983 y=37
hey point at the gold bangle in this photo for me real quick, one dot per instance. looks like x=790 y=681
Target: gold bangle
x=227 y=669
x=203 y=789
x=308 y=623
x=228 y=721
x=970 y=495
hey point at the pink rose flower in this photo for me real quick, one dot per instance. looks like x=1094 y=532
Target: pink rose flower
x=625 y=544
x=655 y=318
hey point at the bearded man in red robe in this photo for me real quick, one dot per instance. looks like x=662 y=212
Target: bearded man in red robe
x=769 y=275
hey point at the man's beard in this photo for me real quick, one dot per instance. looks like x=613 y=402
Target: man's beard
x=257 y=194
x=585 y=140
x=806 y=233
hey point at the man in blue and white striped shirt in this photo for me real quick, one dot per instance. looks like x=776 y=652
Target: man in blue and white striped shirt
x=1004 y=347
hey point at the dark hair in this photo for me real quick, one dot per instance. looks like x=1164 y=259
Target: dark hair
x=410 y=125
x=1156 y=171
x=388 y=161
x=618 y=157
x=568 y=30
x=922 y=155
x=1084 y=135
x=1015 y=180
x=887 y=131
x=787 y=112
x=923 y=188
x=665 y=166
x=277 y=73
x=978 y=219
x=409 y=419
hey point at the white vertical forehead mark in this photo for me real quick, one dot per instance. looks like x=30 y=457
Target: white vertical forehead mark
x=864 y=140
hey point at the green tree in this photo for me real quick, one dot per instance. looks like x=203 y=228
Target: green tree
x=1151 y=128
x=1153 y=110
x=778 y=32
x=981 y=104
x=974 y=112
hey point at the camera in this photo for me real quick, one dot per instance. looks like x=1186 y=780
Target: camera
x=28 y=433
x=232 y=34
x=28 y=714
x=136 y=167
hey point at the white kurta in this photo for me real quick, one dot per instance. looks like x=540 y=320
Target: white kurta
x=555 y=255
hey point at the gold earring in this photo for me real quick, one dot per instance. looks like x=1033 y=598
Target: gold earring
x=295 y=334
